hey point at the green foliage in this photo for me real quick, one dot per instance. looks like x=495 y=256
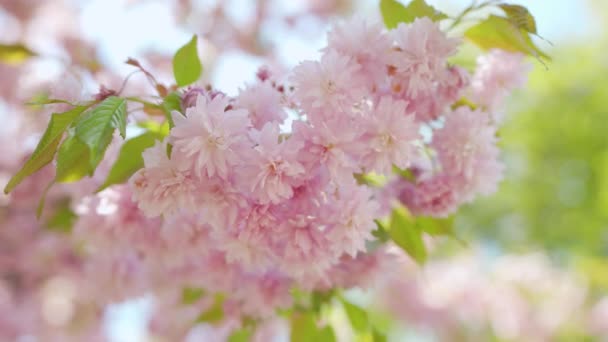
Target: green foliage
x=191 y=295
x=393 y=12
x=47 y=146
x=72 y=160
x=520 y=17
x=241 y=335
x=502 y=33
x=97 y=127
x=63 y=219
x=187 y=67
x=304 y=328
x=357 y=316
x=215 y=313
x=15 y=53
x=407 y=235
x=170 y=103
x=129 y=159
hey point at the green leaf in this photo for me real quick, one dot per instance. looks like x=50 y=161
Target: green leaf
x=241 y=335
x=15 y=53
x=499 y=32
x=393 y=12
x=129 y=159
x=520 y=17
x=378 y=336
x=47 y=146
x=215 y=313
x=434 y=226
x=357 y=316
x=303 y=327
x=72 y=160
x=63 y=219
x=97 y=127
x=190 y=295
x=172 y=102
x=407 y=235
x=187 y=67
x=326 y=334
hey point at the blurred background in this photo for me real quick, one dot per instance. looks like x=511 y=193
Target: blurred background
x=539 y=247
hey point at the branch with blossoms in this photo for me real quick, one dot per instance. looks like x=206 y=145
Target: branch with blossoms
x=241 y=209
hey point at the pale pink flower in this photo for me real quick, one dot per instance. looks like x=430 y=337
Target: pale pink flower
x=211 y=135
x=435 y=197
x=498 y=73
x=366 y=43
x=466 y=147
x=163 y=186
x=390 y=137
x=263 y=102
x=330 y=85
x=273 y=169
x=421 y=54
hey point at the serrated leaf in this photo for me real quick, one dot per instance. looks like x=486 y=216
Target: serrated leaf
x=47 y=146
x=520 y=17
x=72 y=160
x=393 y=12
x=96 y=129
x=499 y=33
x=357 y=316
x=15 y=53
x=407 y=235
x=187 y=67
x=129 y=159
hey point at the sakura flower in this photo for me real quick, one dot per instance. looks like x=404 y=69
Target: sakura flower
x=332 y=84
x=422 y=51
x=274 y=168
x=165 y=185
x=263 y=103
x=372 y=56
x=210 y=134
x=390 y=135
x=466 y=147
x=497 y=74
x=435 y=197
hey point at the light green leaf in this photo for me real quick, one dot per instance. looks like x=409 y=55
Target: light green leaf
x=435 y=226
x=96 y=128
x=241 y=335
x=190 y=295
x=47 y=146
x=407 y=235
x=393 y=12
x=15 y=53
x=326 y=334
x=187 y=67
x=215 y=313
x=501 y=33
x=520 y=17
x=172 y=102
x=129 y=159
x=72 y=160
x=303 y=327
x=357 y=316
x=63 y=219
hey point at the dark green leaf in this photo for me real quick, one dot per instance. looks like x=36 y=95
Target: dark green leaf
x=187 y=67
x=407 y=235
x=393 y=12
x=96 y=128
x=15 y=53
x=357 y=316
x=129 y=159
x=501 y=33
x=72 y=160
x=45 y=151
